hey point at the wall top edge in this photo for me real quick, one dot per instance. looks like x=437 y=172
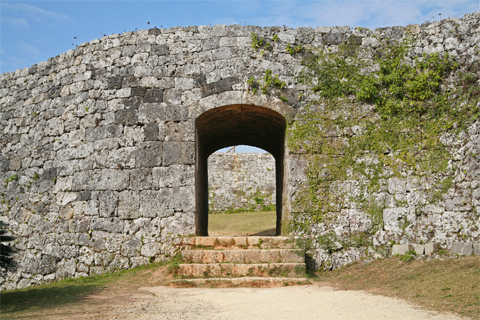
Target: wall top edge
x=222 y=31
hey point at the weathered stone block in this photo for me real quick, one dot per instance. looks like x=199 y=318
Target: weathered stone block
x=108 y=203
x=131 y=103
x=391 y=218
x=151 y=131
x=149 y=155
x=141 y=179
x=401 y=249
x=476 y=248
x=103 y=258
x=333 y=38
x=172 y=96
x=151 y=112
x=174 y=176
x=115 y=83
x=431 y=248
x=462 y=248
x=127 y=117
x=160 y=50
x=151 y=249
x=110 y=179
x=128 y=205
x=156 y=203
x=172 y=153
x=98 y=245
x=80 y=225
x=219 y=86
x=176 y=112
x=103 y=132
x=419 y=249
x=132 y=248
x=153 y=96
x=113 y=225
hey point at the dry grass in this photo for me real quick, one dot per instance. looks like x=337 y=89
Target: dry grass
x=242 y=224
x=445 y=285
x=83 y=298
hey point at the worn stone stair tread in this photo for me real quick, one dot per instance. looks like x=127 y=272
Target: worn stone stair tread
x=254 y=269
x=244 y=256
x=243 y=280
x=241 y=242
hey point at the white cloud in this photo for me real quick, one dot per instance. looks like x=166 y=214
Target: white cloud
x=226 y=20
x=35 y=12
x=27 y=49
x=372 y=14
x=14 y=22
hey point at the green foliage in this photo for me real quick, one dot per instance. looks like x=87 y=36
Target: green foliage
x=267 y=82
x=275 y=37
x=11 y=178
x=36 y=176
x=252 y=85
x=408 y=256
x=271 y=81
x=294 y=49
x=174 y=263
x=258 y=200
x=6 y=250
x=380 y=113
x=397 y=87
x=259 y=42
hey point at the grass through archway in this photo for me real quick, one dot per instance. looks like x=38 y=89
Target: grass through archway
x=243 y=224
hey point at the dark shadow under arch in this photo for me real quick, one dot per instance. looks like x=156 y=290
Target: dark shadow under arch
x=236 y=125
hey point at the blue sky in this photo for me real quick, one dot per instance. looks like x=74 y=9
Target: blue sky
x=33 y=31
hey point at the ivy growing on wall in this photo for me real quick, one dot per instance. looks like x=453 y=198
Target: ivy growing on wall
x=378 y=113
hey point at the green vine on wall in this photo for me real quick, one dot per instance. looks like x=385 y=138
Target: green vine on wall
x=260 y=42
x=267 y=82
x=380 y=113
x=294 y=49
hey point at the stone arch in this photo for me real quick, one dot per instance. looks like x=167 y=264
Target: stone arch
x=237 y=124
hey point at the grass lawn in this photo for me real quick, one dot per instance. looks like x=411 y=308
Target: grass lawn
x=242 y=224
x=446 y=284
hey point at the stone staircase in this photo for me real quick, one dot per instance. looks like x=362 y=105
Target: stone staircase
x=241 y=260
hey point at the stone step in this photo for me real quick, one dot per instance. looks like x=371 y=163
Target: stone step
x=264 y=281
x=239 y=242
x=244 y=256
x=246 y=270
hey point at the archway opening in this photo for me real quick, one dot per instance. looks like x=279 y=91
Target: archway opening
x=237 y=125
x=241 y=192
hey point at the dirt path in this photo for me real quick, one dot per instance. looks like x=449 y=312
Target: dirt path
x=297 y=302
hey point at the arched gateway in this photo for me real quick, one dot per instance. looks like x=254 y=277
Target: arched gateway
x=235 y=125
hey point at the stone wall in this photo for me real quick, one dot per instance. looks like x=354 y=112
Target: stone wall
x=98 y=144
x=241 y=182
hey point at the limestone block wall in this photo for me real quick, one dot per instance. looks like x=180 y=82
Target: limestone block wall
x=98 y=144
x=241 y=182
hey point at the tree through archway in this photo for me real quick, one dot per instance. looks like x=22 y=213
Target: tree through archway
x=235 y=125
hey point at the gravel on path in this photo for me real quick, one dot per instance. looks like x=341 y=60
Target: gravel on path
x=294 y=302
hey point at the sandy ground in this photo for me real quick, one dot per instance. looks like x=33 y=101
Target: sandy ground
x=295 y=302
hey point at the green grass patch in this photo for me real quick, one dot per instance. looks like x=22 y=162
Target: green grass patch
x=242 y=224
